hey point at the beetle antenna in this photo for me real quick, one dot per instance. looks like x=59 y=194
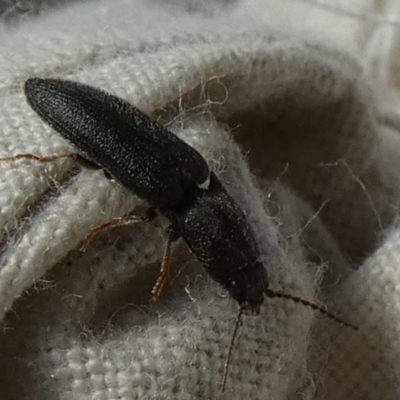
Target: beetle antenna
x=271 y=294
x=228 y=358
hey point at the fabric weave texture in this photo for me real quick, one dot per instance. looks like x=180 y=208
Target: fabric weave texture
x=294 y=105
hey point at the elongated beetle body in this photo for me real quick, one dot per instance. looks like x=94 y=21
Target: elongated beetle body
x=170 y=175
x=163 y=170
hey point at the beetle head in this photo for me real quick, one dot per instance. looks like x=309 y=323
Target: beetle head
x=247 y=286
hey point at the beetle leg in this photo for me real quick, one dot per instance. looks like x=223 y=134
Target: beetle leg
x=117 y=222
x=44 y=159
x=165 y=265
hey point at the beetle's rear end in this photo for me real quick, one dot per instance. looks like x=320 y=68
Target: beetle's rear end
x=140 y=153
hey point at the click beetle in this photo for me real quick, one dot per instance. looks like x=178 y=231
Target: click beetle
x=162 y=169
x=171 y=176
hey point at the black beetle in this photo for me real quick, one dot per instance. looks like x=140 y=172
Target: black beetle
x=171 y=176
x=162 y=169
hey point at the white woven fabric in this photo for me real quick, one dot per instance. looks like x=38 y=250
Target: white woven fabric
x=308 y=92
